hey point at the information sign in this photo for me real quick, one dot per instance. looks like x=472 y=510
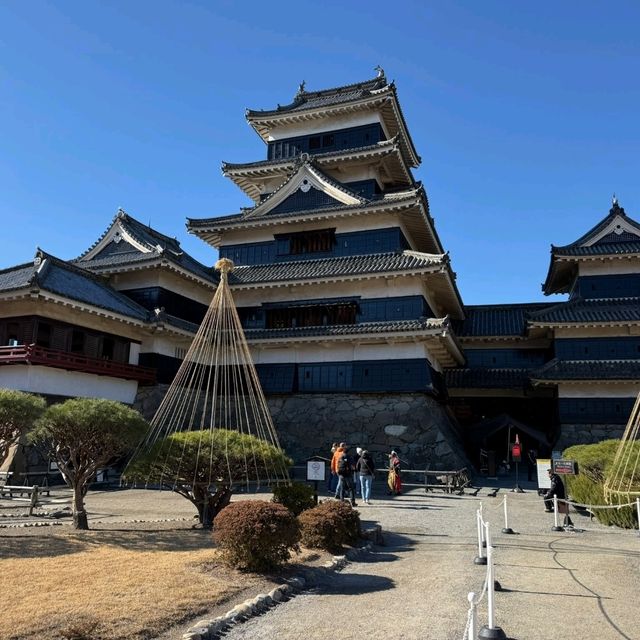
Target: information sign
x=315 y=470
x=542 y=465
x=565 y=467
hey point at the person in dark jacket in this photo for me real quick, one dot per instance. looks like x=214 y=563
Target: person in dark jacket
x=365 y=468
x=556 y=489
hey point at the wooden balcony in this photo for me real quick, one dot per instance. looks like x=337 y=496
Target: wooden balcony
x=33 y=354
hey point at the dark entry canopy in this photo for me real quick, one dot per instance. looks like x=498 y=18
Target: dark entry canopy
x=502 y=422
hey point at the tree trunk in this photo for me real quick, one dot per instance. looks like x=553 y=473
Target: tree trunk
x=210 y=505
x=79 y=514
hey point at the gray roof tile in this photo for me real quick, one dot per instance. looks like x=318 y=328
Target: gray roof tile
x=70 y=281
x=588 y=370
x=334 y=267
x=313 y=99
x=365 y=328
x=589 y=311
x=496 y=320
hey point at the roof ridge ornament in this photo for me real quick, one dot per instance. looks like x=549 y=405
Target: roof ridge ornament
x=616 y=209
x=380 y=71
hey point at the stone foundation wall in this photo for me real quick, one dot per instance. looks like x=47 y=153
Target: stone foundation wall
x=571 y=434
x=415 y=425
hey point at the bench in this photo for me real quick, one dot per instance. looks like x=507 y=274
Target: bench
x=21 y=490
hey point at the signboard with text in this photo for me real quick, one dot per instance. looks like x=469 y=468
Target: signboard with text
x=565 y=467
x=542 y=465
x=315 y=470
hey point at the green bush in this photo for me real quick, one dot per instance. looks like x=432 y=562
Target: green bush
x=256 y=535
x=297 y=497
x=594 y=463
x=329 y=526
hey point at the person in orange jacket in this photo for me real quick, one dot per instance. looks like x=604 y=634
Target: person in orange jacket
x=338 y=453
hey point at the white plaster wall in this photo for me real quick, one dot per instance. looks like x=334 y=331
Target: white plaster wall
x=134 y=353
x=375 y=288
x=343 y=225
x=597 y=332
x=337 y=352
x=166 y=279
x=623 y=390
x=164 y=345
x=609 y=267
x=59 y=382
x=329 y=123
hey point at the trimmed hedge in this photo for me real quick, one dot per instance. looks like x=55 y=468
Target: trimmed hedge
x=256 y=535
x=594 y=463
x=329 y=526
x=297 y=497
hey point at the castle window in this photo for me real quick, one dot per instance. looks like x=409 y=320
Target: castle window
x=327 y=141
x=314 y=142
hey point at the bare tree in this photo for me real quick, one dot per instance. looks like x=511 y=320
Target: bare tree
x=83 y=435
x=18 y=412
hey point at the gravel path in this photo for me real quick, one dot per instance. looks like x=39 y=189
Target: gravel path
x=579 y=584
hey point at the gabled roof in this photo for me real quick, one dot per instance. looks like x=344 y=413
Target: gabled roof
x=128 y=244
x=616 y=236
x=410 y=205
x=496 y=320
x=588 y=371
x=248 y=176
x=371 y=95
x=306 y=177
x=50 y=275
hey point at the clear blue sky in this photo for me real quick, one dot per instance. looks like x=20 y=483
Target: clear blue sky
x=526 y=115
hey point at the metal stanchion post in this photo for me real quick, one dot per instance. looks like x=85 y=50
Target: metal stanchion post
x=480 y=558
x=506 y=528
x=491 y=631
x=556 y=526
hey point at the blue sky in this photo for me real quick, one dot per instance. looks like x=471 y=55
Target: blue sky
x=526 y=115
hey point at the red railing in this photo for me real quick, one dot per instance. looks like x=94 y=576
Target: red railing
x=33 y=354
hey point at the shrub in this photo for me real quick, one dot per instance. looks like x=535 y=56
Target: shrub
x=594 y=463
x=297 y=497
x=329 y=526
x=256 y=535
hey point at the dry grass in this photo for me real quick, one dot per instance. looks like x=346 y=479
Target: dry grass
x=109 y=584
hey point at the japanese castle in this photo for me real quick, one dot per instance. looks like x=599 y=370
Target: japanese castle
x=348 y=300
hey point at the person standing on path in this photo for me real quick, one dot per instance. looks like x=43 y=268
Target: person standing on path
x=345 y=471
x=394 y=481
x=557 y=489
x=366 y=469
x=338 y=453
x=332 y=482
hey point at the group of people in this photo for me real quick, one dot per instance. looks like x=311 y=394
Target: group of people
x=353 y=475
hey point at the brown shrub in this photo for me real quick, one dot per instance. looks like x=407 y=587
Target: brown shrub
x=255 y=535
x=329 y=526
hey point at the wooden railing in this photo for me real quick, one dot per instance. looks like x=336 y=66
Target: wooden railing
x=33 y=354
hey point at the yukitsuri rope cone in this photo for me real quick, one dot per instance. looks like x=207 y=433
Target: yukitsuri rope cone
x=622 y=482
x=213 y=429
